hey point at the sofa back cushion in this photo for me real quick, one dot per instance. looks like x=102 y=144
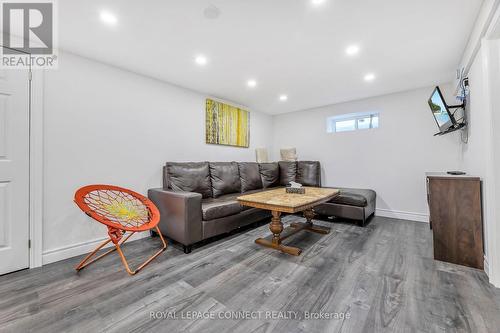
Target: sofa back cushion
x=189 y=177
x=249 y=176
x=225 y=178
x=270 y=174
x=288 y=172
x=309 y=173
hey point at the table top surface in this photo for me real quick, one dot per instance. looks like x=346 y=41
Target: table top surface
x=279 y=200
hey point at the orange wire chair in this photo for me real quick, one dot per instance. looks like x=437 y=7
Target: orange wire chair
x=122 y=211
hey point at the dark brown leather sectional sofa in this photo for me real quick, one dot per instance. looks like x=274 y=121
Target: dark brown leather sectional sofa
x=198 y=199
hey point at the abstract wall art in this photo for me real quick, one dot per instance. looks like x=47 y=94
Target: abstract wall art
x=227 y=124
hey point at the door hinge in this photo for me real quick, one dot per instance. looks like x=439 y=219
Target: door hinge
x=29 y=243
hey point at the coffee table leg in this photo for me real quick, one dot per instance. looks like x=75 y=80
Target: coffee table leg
x=308 y=225
x=309 y=215
x=276 y=228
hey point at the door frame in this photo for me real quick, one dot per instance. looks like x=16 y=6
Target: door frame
x=36 y=168
x=35 y=220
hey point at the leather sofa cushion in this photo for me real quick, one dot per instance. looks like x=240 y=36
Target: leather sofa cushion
x=354 y=197
x=225 y=178
x=288 y=172
x=212 y=208
x=249 y=176
x=189 y=177
x=309 y=173
x=270 y=174
x=350 y=199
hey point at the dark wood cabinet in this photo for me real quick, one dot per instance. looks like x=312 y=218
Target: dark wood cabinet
x=456 y=218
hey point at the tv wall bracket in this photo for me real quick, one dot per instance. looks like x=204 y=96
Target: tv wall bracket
x=461 y=106
x=457 y=124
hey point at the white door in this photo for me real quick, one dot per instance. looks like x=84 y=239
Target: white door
x=14 y=170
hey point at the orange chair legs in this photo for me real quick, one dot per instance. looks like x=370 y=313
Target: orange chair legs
x=115 y=236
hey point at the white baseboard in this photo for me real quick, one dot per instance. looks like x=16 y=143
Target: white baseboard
x=419 y=217
x=486 y=266
x=74 y=250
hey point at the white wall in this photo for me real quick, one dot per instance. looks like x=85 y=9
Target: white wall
x=494 y=170
x=106 y=125
x=481 y=155
x=392 y=159
x=474 y=154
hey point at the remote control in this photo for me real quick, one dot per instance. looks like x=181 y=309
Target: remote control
x=456 y=173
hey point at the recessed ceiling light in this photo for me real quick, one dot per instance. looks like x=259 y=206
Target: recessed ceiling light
x=283 y=98
x=211 y=12
x=201 y=60
x=251 y=83
x=352 y=50
x=369 y=77
x=317 y=2
x=108 y=18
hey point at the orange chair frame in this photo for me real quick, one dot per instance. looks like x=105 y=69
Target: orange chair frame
x=116 y=230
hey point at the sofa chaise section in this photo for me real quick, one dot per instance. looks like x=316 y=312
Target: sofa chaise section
x=351 y=203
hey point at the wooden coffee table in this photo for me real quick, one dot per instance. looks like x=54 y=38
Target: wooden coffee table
x=278 y=201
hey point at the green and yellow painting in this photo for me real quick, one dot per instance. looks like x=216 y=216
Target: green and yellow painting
x=227 y=125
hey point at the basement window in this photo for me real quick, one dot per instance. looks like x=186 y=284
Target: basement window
x=352 y=122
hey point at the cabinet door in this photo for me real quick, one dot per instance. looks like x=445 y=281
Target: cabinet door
x=455 y=209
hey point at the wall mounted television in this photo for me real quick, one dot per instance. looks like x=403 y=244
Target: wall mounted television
x=445 y=119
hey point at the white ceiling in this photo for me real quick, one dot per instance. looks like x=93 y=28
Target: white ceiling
x=289 y=46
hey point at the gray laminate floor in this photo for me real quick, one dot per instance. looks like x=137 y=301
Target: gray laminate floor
x=381 y=277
